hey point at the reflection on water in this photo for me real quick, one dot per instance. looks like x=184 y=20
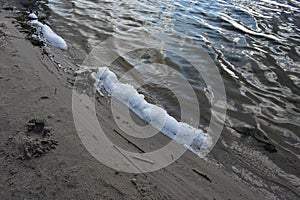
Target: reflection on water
x=256 y=46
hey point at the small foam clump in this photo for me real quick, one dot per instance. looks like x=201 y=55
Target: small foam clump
x=32 y=16
x=47 y=33
x=192 y=138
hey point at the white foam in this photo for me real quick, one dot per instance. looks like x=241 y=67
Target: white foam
x=192 y=138
x=47 y=33
x=32 y=16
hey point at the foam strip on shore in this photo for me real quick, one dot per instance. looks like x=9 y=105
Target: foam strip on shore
x=192 y=138
x=47 y=33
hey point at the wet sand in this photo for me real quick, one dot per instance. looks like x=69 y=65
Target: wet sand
x=42 y=157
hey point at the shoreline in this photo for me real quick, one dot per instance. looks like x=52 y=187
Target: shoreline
x=34 y=88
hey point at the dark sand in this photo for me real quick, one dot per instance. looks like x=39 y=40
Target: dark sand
x=45 y=159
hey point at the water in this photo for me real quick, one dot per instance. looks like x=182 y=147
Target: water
x=254 y=44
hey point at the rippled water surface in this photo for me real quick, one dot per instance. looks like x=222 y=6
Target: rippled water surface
x=254 y=44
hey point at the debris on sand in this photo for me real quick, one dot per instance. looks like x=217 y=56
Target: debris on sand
x=3 y=35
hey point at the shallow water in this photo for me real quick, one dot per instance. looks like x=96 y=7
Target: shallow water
x=254 y=44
